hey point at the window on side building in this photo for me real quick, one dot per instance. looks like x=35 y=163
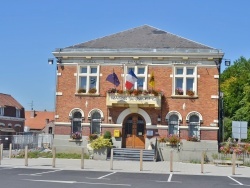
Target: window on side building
x=141 y=73
x=185 y=81
x=18 y=113
x=88 y=80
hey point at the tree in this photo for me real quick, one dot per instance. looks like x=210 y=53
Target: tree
x=235 y=84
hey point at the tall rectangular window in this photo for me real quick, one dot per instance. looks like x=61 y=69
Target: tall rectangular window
x=141 y=74
x=88 y=79
x=185 y=81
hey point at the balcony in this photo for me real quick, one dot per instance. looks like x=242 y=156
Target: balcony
x=124 y=100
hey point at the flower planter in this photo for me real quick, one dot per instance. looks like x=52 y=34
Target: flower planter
x=101 y=154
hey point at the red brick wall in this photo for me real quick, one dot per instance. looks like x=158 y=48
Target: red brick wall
x=204 y=104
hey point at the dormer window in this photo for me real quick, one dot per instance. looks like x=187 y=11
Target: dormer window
x=18 y=112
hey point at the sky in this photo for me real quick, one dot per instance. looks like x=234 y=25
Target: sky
x=30 y=30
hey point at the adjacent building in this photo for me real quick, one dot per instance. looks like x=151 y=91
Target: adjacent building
x=12 y=118
x=176 y=90
x=39 y=122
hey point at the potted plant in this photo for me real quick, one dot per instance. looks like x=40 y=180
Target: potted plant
x=101 y=147
x=179 y=91
x=92 y=90
x=190 y=93
x=81 y=90
x=173 y=139
x=76 y=135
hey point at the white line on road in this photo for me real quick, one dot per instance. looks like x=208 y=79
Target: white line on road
x=170 y=177
x=37 y=174
x=235 y=180
x=51 y=181
x=90 y=183
x=106 y=175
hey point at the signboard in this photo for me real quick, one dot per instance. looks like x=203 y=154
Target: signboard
x=239 y=129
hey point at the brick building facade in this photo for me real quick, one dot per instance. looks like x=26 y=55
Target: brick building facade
x=12 y=118
x=182 y=101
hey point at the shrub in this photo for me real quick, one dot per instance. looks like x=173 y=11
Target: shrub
x=100 y=142
x=93 y=137
x=107 y=135
x=162 y=139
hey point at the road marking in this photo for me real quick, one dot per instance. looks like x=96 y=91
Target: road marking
x=71 y=182
x=170 y=177
x=106 y=175
x=39 y=174
x=235 y=180
x=169 y=180
x=51 y=181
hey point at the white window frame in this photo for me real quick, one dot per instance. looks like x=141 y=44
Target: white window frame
x=136 y=68
x=88 y=75
x=185 y=76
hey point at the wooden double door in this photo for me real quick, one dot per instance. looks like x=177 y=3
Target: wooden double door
x=134 y=132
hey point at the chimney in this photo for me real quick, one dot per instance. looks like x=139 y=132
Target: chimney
x=32 y=114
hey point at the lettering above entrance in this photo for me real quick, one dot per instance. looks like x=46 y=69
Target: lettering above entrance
x=120 y=100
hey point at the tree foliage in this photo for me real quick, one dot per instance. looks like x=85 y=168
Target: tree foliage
x=235 y=84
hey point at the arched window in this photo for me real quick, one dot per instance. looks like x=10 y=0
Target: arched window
x=194 y=124
x=76 y=122
x=96 y=123
x=173 y=124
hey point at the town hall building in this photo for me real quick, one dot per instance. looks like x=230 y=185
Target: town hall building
x=175 y=90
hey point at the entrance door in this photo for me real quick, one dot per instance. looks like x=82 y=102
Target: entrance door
x=134 y=132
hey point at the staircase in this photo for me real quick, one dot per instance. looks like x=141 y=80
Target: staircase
x=133 y=154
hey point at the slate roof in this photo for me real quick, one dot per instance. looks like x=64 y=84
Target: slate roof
x=38 y=122
x=8 y=100
x=141 y=37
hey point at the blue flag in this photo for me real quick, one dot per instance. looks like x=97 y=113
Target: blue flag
x=113 y=79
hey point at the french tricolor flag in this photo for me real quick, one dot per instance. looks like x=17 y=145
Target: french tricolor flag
x=130 y=79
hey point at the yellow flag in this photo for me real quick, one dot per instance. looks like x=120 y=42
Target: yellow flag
x=152 y=80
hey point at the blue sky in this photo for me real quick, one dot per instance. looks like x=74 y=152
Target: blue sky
x=32 y=29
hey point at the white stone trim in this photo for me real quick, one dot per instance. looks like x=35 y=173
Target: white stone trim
x=214 y=96
x=126 y=112
x=209 y=128
x=157 y=127
x=58 y=93
x=76 y=110
x=12 y=118
x=194 y=113
x=58 y=73
x=69 y=124
x=112 y=125
x=17 y=125
x=216 y=76
x=173 y=113
x=2 y=124
x=94 y=110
